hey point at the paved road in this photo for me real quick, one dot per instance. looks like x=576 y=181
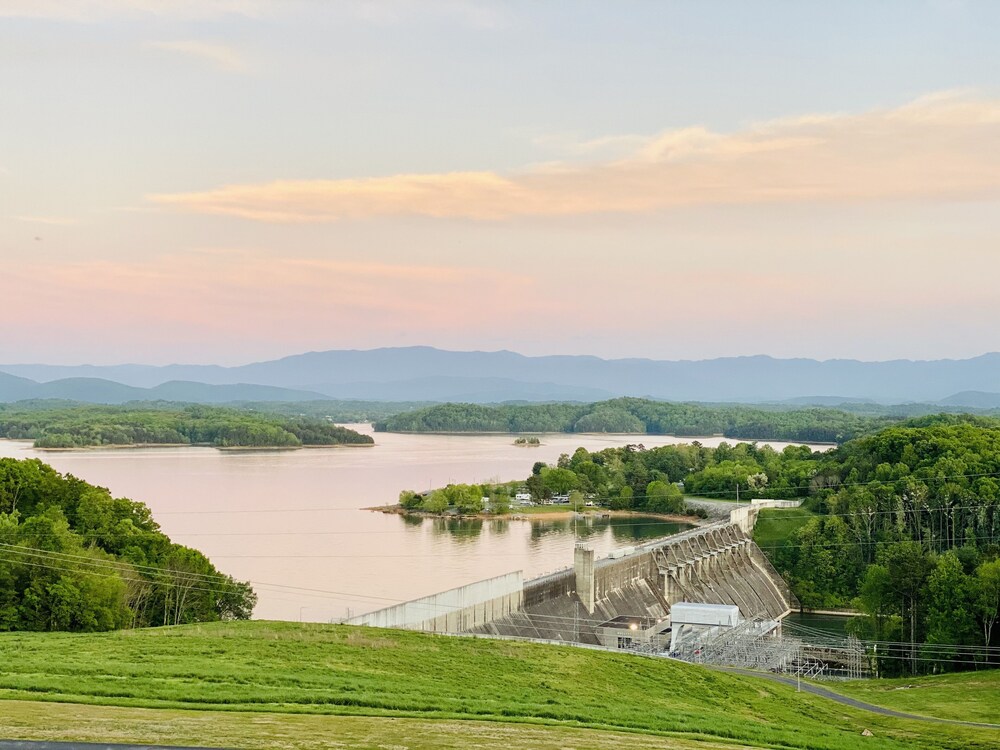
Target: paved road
x=32 y=745
x=826 y=693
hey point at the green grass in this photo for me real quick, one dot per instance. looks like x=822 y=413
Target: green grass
x=32 y=720
x=292 y=668
x=969 y=696
x=775 y=525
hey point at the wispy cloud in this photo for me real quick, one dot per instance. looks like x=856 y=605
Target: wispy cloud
x=218 y=55
x=941 y=146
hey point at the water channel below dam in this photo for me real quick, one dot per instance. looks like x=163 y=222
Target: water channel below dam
x=293 y=522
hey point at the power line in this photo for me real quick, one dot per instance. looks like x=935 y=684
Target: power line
x=943 y=652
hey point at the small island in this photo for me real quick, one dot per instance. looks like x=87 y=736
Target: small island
x=527 y=442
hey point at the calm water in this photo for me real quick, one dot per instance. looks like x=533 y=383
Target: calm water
x=292 y=521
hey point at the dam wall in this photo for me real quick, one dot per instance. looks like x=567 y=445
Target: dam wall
x=454 y=611
x=714 y=564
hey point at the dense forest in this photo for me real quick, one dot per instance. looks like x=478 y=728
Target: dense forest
x=642 y=416
x=68 y=425
x=903 y=525
x=72 y=557
x=336 y=410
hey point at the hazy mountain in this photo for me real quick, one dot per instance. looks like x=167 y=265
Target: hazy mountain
x=204 y=393
x=467 y=390
x=100 y=391
x=415 y=373
x=831 y=401
x=973 y=400
x=13 y=388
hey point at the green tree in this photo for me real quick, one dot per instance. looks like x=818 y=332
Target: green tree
x=664 y=497
x=623 y=500
x=909 y=568
x=558 y=481
x=436 y=502
x=950 y=613
x=410 y=500
x=986 y=593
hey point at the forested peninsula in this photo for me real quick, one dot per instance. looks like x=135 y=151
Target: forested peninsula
x=902 y=525
x=72 y=557
x=643 y=416
x=69 y=425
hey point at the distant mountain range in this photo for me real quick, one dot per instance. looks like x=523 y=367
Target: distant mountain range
x=101 y=391
x=428 y=374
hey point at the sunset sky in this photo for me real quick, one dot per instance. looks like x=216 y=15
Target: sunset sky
x=228 y=181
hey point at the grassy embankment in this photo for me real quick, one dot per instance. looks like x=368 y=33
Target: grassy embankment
x=775 y=526
x=253 y=681
x=970 y=696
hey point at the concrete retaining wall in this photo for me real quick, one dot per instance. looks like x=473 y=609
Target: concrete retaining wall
x=767 y=503
x=745 y=516
x=455 y=610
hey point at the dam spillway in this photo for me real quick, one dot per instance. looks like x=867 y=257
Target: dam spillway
x=717 y=564
x=714 y=564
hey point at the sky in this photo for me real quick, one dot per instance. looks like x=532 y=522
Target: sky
x=226 y=181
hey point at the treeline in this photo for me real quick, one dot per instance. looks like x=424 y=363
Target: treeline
x=908 y=531
x=336 y=410
x=72 y=557
x=642 y=416
x=77 y=426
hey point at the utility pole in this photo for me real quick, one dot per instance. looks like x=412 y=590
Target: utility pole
x=737 y=493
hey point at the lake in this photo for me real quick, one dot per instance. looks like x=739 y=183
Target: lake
x=292 y=521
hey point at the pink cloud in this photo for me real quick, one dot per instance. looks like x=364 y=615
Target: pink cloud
x=938 y=147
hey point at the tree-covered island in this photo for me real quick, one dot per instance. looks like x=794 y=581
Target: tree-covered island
x=642 y=416
x=69 y=425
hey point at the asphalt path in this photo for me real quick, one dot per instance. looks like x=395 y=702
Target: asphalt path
x=823 y=692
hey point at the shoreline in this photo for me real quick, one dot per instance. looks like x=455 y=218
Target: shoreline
x=561 y=515
x=223 y=449
x=487 y=433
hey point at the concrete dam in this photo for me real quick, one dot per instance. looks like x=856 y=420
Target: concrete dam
x=631 y=589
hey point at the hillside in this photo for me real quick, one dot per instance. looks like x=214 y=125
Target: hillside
x=935 y=696
x=286 y=668
x=74 y=558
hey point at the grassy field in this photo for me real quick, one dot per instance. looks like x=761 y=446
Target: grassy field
x=970 y=696
x=775 y=525
x=284 y=670
x=82 y=723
